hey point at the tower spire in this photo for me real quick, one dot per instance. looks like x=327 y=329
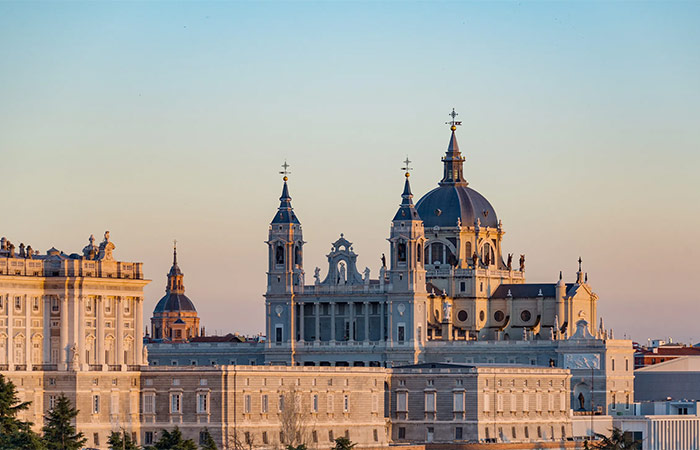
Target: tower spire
x=175 y=252
x=285 y=212
x=453 y=160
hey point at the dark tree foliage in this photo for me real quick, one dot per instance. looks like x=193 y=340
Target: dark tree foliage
x=14 y=433
x=343 y=443
x=118 y=440
x=298 y=447
x=59 y=432
x=617 y=440
x=173 y=440
x=208 y=441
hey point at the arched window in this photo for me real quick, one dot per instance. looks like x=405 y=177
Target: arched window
x=468 y=250
x=487 y=255
x=279 y=254
x=419 y=252
x=297 y=255
x=401 y=252
x=437 y=253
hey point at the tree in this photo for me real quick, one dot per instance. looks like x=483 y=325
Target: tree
x=208 y=442
x=59 y=432
x=119 y=440
x=173 y=441
x=14 y=433
x=293 y=419
x=343 y=443
x=617 y=440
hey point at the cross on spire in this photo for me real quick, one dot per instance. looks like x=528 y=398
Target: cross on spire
x=284 y=170
x=406 y=168
x=453 y=123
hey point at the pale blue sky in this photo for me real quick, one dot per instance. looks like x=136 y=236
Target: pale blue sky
x=170 y=120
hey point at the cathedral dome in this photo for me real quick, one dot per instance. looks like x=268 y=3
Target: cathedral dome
x=452 y=200
x=446 y=203
x=174 y=302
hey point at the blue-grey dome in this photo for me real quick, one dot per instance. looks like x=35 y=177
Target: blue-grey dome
x=174 y=302
x=446 y=203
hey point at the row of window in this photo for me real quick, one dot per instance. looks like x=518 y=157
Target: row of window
x=458 y=402
x=459 y=433
x=314 y=403
x=176 y=403
x=55 y=304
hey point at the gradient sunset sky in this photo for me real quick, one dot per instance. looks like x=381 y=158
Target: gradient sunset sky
x=161 y=121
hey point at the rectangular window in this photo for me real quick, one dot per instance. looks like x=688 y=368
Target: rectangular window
x=278 y=334
x=148 y=438
x=402 y=333
x=314 y=436
x=314 y=406
x=346 y=403
x=52 y=401
x=96 y=404
x=35 y=304
x=264 y=405
x=499 y=402
x=458 y=433
x=330 y=435
x=375 y=434
x=458 y=402
x=551 y=402
x=96 y=438
x=202 y=402
x=487 y=402
x=247 y=405
x=54 y=305
x=402 y=432
x=513 y=403
x=264 y=437
x=329 y=401
x=280 y=404
x=149 y=401
x=562 y=401
x=430 y=402
x=538 y=402
x=402 y=401
x=18 y=302
x=175 y=403
x=375 y=403
x=526 y=402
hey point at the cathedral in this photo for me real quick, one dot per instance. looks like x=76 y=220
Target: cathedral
x=446 y=280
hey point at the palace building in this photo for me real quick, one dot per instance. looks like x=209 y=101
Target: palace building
x=448 y=343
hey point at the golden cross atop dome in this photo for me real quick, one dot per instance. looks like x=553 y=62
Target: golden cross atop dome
x=453 y=123
x=285 y=172
x=406 y=167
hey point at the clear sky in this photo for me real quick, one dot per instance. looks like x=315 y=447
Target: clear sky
x=162 y=121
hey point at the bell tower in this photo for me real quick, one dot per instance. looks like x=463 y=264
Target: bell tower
x=285 y=247
x=285 y=278
x=407 y=238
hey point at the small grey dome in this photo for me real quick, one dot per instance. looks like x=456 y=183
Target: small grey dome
x=445 y=204
x=173 y=302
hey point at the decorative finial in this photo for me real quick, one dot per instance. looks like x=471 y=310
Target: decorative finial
x=406 y=168
x=579 y=263
x=453 y=123
x=285 y=172
x=174 y=251
x=560 y=275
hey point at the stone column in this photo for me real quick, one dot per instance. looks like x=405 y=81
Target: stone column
x=99 y=305
x=10 y=302
x=351 y=332
x=301 y=322
x=63 y=360
x=333 y=305
x=28 y=332
x=119 y=315
x=47 y=330
x=382 y=336
x=318 y=321
x=365 y=305
x=81 y=331
x=138 y=331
